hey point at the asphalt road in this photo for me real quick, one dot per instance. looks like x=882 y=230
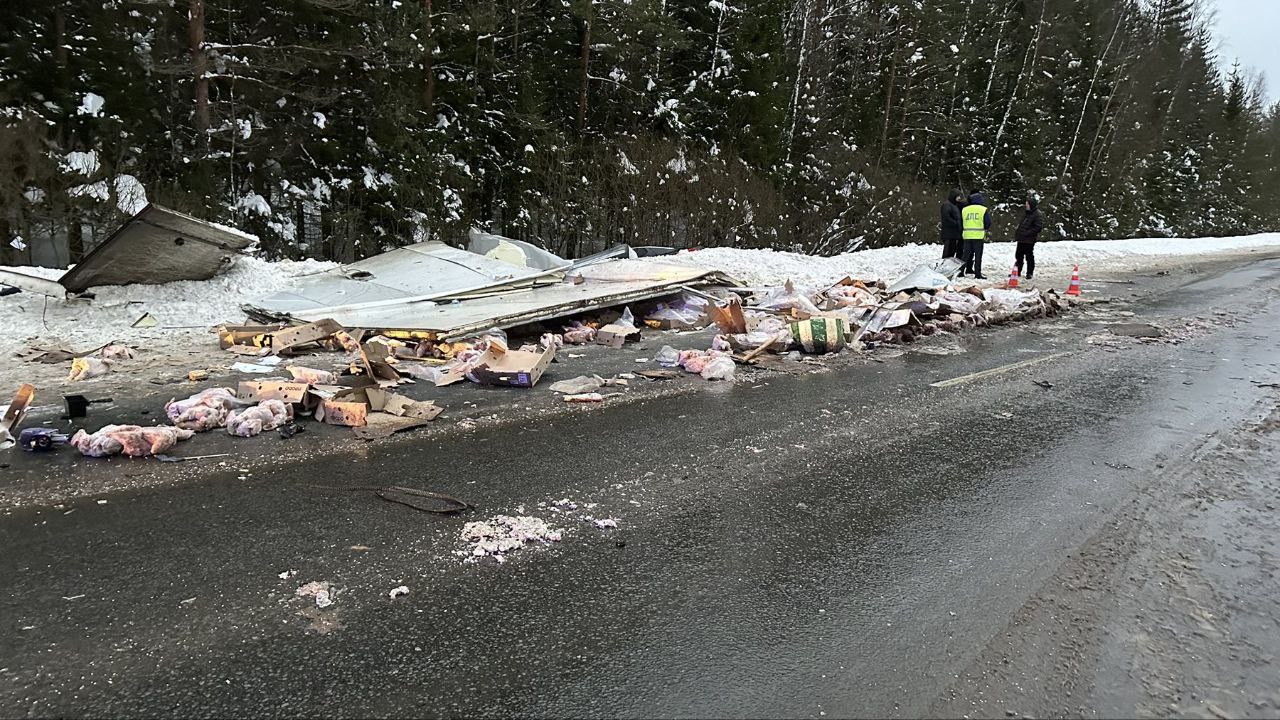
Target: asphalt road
x=842 y=543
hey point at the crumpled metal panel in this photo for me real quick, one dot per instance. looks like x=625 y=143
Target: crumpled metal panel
x=516 y=252
x=418 y=271
x=923 y=277
x=602 y=286
x=156 y=246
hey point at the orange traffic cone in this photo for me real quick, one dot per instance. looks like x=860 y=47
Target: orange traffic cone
x=1013 y=278
x=1074 y=288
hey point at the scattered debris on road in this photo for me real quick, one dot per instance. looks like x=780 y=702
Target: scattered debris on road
x=504 y=533
x=319 y=590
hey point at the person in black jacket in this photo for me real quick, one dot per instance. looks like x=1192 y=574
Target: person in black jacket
x=1026 y=234
x=951 y=224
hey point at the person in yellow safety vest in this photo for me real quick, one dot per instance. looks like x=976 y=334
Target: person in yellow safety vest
x=975 y=223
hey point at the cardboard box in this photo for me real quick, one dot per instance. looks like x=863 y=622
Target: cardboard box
x=348 y=413
x=373 y=358
x=513 y=368
x=259 y=390
x=254 y=336
x=290 y=337
x=615 y=335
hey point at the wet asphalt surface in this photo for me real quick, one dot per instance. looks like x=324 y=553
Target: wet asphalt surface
x=837 y=543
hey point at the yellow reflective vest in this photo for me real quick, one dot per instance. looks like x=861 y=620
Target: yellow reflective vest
x=974 y=220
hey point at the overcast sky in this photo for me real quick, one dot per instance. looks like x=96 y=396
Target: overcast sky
x=1250 y=31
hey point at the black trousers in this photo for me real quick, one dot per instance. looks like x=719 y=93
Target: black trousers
x=950 y=247
x=972 y=257
x=1025 y=251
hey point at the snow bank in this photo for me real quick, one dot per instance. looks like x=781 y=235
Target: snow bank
x=187 y=305
x=772 y=267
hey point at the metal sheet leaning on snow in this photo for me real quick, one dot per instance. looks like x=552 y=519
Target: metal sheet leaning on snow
x=604 y=285
x=922 y=278
x=32 y=283
x=411 y=274
x=156 y=246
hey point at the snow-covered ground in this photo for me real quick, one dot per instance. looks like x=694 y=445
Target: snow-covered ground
x=186 y=310
x=1053 y=259
x=178 y=305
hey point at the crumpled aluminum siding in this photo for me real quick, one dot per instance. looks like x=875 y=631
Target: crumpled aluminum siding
x=604 y=285
x=412 y=272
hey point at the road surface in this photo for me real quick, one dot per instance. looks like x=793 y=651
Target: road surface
x=854 y=542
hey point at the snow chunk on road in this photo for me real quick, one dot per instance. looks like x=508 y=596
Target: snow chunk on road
x=504 y=533
x=318 y=590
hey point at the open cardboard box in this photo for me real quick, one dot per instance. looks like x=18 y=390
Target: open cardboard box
x=615 y=335
x=513 y=368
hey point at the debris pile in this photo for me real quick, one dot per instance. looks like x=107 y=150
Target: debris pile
x=851 y=314
x=435 y=314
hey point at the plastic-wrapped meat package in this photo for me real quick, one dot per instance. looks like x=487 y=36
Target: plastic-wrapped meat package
x=959 y=302
x=85 y=368
x=266 y=415
x=786 y=298
x=719 y=367
x=1011 y=300
x=720 y=343
x=694 y=361
x=117 y=352
x=667 y=356
x=766 y=329
x=203 y=411
x=579 y=334
x=311 y=375
x=685 y=312
x=549 y=340
x=494 y=338
x=131 y=440
x=851 y=296
x=710 y=364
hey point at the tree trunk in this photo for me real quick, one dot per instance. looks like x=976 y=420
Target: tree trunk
x=585 y=85
x=428 y=66
x=800 y=70
x=1084 y=106
x=1032 y=55
x=199 y=69
x=888 y=106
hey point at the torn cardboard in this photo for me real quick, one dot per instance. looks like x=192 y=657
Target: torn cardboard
x=401 y=406
x=259 y=390
x=380 y=425
x=729 y=319
x=294 y=336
